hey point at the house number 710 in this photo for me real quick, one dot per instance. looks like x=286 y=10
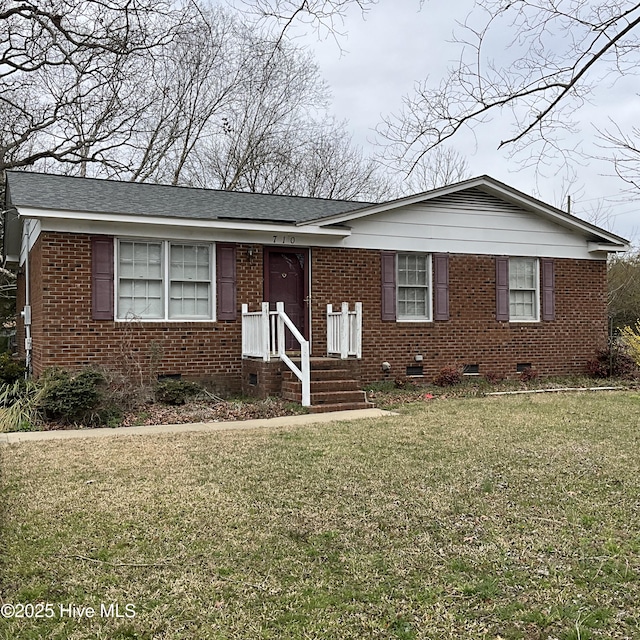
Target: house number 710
x=284 y=239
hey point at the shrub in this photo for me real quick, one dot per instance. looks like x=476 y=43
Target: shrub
x=448 y=376
x=10 y=369
x=175 y=392
x=492 y=377
x=126 y=393
x=614 y=361
x=597 y=368
x=19 y=405
x=76 y=399
x=631 y=339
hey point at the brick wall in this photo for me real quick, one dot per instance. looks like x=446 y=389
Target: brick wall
x=262 y=379
x=471 y=335
x=65 y=335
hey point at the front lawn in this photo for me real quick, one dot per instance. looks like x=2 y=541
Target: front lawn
x=498 y=517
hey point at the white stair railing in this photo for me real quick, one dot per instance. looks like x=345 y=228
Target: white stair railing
x=263 y=336
x=344 y=331
x=256 y=334
x=304 y=372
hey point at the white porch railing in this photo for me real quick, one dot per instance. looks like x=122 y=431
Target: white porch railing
x=263 y=336
x=344 y=331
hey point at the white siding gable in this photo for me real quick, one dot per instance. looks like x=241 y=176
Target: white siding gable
x=471 y=222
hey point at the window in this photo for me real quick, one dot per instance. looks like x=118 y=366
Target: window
x=162 y=280
x=413 y=287
x=523 y=289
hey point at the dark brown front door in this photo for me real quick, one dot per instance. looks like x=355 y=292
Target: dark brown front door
x=286 y=281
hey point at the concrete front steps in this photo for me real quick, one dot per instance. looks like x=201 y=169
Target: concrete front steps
x=333 y=387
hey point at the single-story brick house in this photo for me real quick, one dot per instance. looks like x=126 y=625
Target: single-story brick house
x=475 y=274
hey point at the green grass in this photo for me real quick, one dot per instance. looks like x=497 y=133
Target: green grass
x=510 y=517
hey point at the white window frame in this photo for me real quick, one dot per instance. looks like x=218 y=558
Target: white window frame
x=166 y=281
x=536 y=296
x=429 y=287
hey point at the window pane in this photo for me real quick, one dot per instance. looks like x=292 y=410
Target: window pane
x=523 y=289
x=204 y=271
x=140 y=260
x=522 y=305
x=412 y=301
x=140 y=298
x=141 y=280
x=190 y=299
x=189 y=262
x=126 y=259
x=413 y=286
x=522 y=273
x=412 y=269
x=190 y=289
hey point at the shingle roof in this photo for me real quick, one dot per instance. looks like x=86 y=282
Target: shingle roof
x=65 y=193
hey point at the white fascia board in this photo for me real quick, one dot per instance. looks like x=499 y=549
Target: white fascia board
x=230 y=225
x=493 y=187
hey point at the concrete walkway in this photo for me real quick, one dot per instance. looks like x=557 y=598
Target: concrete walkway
x=284 y=421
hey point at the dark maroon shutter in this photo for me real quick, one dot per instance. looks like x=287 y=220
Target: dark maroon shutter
x=388 y=261
x=226 y=276
x=502 y=289
x=102 y=278
x=441 y=286
x=547 y=277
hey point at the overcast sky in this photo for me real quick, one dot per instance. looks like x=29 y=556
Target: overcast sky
x=397 y=44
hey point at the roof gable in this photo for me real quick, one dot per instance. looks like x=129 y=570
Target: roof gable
x=469 y=222
x=468 y=194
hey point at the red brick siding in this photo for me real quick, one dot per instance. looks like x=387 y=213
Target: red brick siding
x=65 y=335
x=471 y=335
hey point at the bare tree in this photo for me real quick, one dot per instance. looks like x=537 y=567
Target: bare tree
x=438 y=168
x=318 y=160
x=325 y=17
x=272 y=134
x=329 y=165
x=195 y=78
x=624 y=290
x=279 y=93
x=222 y=105
x=625 y=152
x=62 y=63
x=537 y=60
x=192 y=96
